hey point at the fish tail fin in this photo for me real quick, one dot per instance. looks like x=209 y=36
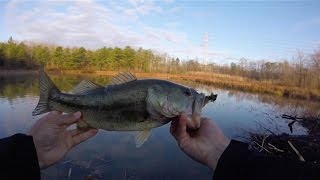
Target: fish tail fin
x=45 y=86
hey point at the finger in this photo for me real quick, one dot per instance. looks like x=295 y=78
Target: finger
x=181 y=132
x=77 y=139
x=71 y=118
x=75 y=132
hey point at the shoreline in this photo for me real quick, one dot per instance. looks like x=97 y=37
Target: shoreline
x=206 y=78
x=17 y=72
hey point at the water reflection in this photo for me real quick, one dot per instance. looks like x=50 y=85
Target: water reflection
x=12 y=87
x=112 y=155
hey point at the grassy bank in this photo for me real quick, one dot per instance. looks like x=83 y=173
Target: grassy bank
x=248 y=85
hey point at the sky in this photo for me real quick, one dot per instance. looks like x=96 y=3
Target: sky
x=212 y=31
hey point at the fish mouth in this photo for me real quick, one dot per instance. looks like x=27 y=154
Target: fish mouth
x=194 y=119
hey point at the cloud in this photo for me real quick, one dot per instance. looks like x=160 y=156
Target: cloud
x=142 y=8
x=94 y=24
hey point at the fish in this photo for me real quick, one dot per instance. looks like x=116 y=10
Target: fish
x=126 y=104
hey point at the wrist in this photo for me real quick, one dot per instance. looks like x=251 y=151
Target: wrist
x=40 y=162
x=217 y=152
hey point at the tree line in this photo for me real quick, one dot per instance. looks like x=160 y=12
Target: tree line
x=20 y=55
x=302 y=71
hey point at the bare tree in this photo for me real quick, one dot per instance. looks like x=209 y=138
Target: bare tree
x=299 y=60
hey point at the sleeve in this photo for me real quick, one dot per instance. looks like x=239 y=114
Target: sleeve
x=238 y=162
x=18 y=158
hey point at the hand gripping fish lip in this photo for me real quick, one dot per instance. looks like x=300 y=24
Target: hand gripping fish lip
x=194 y=119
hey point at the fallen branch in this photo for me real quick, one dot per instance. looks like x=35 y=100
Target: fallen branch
x=264 y=138
x=262 y=147
x=275 y=148
x=69 y=172
x=278 y=146
x=296 y=151
x=285 y=116
x=291 y=124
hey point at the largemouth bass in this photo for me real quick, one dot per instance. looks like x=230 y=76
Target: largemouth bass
x=127 y=104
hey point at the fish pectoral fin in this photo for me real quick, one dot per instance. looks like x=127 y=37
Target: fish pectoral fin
x=141 y=137
x=85 y=86
x=123 y=78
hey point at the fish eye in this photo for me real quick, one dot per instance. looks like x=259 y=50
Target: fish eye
x=188 y=92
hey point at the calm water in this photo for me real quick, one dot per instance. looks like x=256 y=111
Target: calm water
x=113 y=155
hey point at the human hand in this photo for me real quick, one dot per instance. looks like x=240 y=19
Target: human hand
x=204 y=145
x=52 y=139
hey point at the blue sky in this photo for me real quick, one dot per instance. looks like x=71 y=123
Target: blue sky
x=271 y=30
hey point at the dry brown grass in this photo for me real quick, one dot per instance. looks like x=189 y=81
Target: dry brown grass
x=243 y=84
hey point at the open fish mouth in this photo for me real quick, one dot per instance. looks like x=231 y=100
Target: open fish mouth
x=194 y=118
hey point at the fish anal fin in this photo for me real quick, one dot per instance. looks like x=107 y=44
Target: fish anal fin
x=123 y=78
x=85 y=86
x=141 y=137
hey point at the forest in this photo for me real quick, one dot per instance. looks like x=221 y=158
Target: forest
x=302 y=71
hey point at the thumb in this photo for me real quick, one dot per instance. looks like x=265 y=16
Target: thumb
x=181 y=133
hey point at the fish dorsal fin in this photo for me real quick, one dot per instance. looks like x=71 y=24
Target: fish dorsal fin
x=123 y=78
x=141 y=137
x=85 y=86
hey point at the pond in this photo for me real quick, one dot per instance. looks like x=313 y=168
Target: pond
x=113 y=155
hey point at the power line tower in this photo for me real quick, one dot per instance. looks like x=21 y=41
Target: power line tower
x=205 y=49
